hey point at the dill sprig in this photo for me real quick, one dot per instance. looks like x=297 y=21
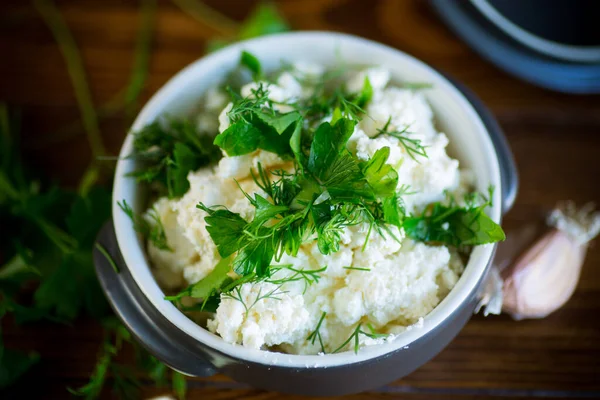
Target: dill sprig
x=308 y=276
x=236 y=294
x=316 y=334
x=355 y=337
x=413 y=147
x=154 y=231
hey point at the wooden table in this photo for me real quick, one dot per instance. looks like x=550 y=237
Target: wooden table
x=555 y=139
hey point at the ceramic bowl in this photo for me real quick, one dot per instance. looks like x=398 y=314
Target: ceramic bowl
x=185 y=346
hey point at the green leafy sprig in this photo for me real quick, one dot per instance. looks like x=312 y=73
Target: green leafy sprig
x=414 y=147
x=316 y=334
x=169 y=149
x=355 y=337
x=454 y=225
x=153 y=230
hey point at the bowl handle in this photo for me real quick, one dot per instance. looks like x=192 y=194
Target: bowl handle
x=508 y=169
x=150 y=328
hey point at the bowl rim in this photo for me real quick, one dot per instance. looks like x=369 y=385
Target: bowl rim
x=135 y=256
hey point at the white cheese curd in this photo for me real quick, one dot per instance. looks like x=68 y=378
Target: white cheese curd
x=378 y=78
x=387 y=285
x=261 y=314
x=214 y=101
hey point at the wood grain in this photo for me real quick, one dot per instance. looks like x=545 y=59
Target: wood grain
x=555 y=139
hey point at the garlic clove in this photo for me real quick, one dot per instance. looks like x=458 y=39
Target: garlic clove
x=544 y=277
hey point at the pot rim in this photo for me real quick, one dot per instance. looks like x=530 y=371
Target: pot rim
x=134 y=254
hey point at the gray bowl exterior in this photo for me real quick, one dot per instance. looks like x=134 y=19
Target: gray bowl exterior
x=192 y=357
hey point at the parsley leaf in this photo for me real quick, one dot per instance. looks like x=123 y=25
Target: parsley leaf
x=13 y=364
x=264 y=20
x=393 y=210
x=225 y=228
x=279 y=122
x=249 y=61
x=328 y=143
x=382 y=178
x=454 y=226
x=241 y=138
x=206 y=287
x=256 y=256
x=256 y=125
x=366 y=93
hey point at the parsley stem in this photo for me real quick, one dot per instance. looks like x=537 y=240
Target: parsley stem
x=55 y=22
x=141 y=59
x=126 y=97
x=108 y=257
x=208 y=16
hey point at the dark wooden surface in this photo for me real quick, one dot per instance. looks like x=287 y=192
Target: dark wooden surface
x=555 y=139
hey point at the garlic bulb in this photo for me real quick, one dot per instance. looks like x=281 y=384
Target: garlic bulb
x=544 y=277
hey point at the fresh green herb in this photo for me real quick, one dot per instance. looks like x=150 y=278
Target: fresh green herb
x=236 y=294
x=454 y=225
x=123 y=378
x=206 y=287
x=108 y=257
x=251 y=62
x=13 y=364
x=354 y=337
x=141 y=59
x=19 y=264
x=153 y=231
x=207 y=16
x=53 y=19
x=170 y=149
x=316 y=334
x=365 y=94
x=113 y=341
x=412 y=146
x=358 y=269
x=179 y=385
x=256 y=125
x=127 y=99
x=308 y=276
x=263 y=20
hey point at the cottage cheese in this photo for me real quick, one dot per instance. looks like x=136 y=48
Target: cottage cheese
x=405 y=281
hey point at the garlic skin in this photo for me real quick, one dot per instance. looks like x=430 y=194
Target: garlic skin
x=544 y=277
x=492 y=295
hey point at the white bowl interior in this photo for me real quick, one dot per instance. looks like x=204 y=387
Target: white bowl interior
x=454 y=116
